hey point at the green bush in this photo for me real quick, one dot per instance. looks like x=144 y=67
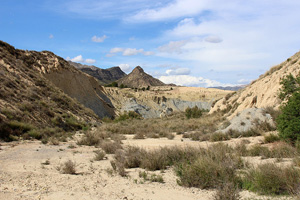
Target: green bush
x=128 y=115
x=288 y=123
x=194 y=112
x=271 y=138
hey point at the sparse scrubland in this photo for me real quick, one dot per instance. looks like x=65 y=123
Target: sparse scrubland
x=46 y=139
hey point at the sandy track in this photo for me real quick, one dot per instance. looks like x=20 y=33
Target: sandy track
x=22 y=176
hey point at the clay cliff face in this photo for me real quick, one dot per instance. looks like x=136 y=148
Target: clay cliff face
x=105 y=76
x=138 y=79
x=262 y=92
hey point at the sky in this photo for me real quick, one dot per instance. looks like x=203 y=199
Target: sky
x=202 y=43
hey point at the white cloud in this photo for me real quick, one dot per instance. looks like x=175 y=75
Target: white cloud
x=51 y=36
x=173 y=47
x=76 y=59
x=148 y=53
x=99 y=39
x=90 y=61
x=132 y=52
x=125 y=67
x=244 y=81
x=175 y=9
x=79 y=58
x=116 y=50
x=128 y=52
x=213 y=39
x=192 y=81
x=179 y=71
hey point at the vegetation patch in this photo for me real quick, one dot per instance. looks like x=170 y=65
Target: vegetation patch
x=271 y=179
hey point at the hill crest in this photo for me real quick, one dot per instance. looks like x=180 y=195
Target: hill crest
x=261 y=93
x=138 y=78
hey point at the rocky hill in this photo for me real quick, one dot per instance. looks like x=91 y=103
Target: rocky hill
x=160 y=101
x=262 y=92
x=139 y=79
x=105 y=76
x=37 y=90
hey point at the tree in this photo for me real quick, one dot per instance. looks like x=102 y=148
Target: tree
x=122 y=86
x=288 y=122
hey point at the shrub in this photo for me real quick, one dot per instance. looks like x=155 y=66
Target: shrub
x=218 y=137
x=194 y=112
x=227 y=191
x=110 y=147
x=258 y=150
x=270 y=179
x=274 y=113
x=9 y=130
x=152 y=178
x=91 y=139
x=36 y=134
x=271 y=138
x=99 y=155
x=209 y=171
x=128 y=115
x=68 y=167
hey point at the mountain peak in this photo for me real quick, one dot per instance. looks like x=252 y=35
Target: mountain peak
x=138 y=79
x=138 y=69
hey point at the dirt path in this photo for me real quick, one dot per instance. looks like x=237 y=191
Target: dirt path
x=23 y=176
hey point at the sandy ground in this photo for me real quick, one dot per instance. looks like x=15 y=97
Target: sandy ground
x=23 y=176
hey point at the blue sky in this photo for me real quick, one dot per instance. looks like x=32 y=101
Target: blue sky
x=187 y=42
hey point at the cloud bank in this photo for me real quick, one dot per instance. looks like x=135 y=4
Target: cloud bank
x=79 y=58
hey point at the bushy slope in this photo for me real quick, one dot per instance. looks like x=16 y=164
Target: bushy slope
x=28 y=100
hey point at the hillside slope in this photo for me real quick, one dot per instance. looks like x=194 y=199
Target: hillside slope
x=34 y=87
x=105 y=76
x=138 y=79
x=262 y=92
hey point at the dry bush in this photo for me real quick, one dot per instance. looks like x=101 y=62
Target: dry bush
x=279 y=150
x=274 y=113
x=99 y=155
x=156 y=159
x=212 y=168
x=217 y=136
x=271 y=179
x=91 y=139
x=139 y=135
x=227 y=191
x=110 y=147
x=68 y=167
x=153 y=128
x=249 y=133
x=118 y=164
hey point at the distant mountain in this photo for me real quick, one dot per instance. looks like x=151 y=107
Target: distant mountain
x=138 y=79
x=231 y=88
x=105 y=76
